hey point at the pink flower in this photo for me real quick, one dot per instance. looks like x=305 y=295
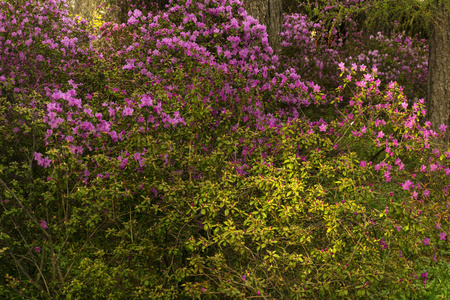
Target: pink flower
x=407 y=185
x=132 y=20
x=387 y=176
x=123 y=164
x=127 y=111
x=54 y=123
x=44 y=224
x=426 y=241
x=130 y=63
x=113 y=135
x=44 y=162
x=103 y=126
x=442 y=235
x=146 y=101
x=137 y=13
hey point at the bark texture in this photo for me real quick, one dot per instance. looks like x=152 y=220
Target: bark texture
x=438 y=94
x=270 y=14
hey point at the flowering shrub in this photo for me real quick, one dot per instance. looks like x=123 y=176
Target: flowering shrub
x=176 y=157
x=315 y=49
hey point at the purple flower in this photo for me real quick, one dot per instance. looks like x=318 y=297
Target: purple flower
x=111 y=111
x=132 y=20
x=127 y=111
x=146 y=101
x=380 y=134
x=383 y=244
x=443 y=127
x=424 y=275
x=442 y=235
x=130 y=63
x=323 y=127
x=113 y=135
x=104 y=126
x=387 y=176
x=137 y=13
x=123 y=164
x=44 y=224
x=74 y=102
x=44 y=162
x=426 y=241
x=37 y=249
x=54 y=123
x=243 y=278
x=87 y=126
x=137 y=156
x=407 y=185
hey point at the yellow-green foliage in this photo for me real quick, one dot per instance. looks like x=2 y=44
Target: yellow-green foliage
x=95 y=19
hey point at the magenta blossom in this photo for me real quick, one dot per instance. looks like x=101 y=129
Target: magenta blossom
x=407 y=185
x=44 y=224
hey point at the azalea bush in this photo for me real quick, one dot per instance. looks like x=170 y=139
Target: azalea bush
x=315 y=43
x=176 y=156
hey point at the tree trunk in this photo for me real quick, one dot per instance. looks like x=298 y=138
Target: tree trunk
x=270 y=14
x=438 y=94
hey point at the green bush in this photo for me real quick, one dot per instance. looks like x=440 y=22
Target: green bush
x=190 y=180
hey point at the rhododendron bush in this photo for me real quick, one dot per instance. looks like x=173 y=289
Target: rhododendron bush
x=177 y=156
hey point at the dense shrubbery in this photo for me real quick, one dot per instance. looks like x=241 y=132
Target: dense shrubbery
x=176 y=156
